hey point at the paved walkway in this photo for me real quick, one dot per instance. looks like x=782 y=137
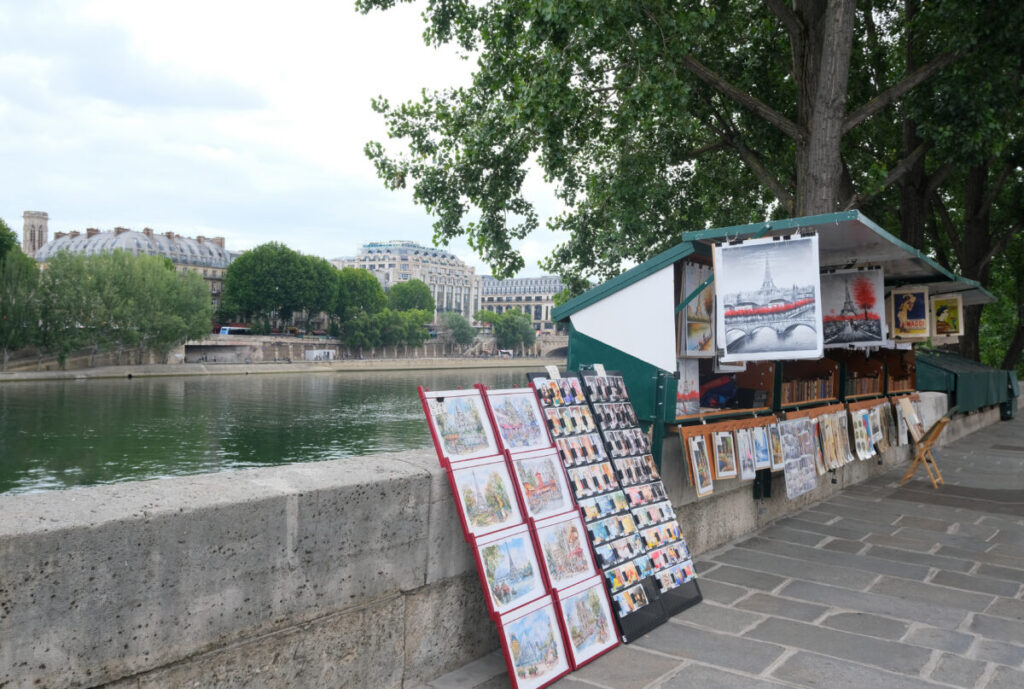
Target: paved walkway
x=877 y=587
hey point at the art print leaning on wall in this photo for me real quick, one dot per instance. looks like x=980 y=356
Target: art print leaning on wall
x=768 y=294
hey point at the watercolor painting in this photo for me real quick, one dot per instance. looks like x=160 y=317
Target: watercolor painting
x=510 y=567
x=745 y=453
x=460 y=423
x=701 y=464
x=725 y=455
x=698 y=339
x=853 y=307
x=518 y=418
x=542 y=484
x=768 y=299
x=688 y=388
x=534 y=645
x=484 y=493
x=762 y=451
x=588 y=621
x=565 y=551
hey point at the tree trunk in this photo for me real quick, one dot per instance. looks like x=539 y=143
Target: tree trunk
x=977 y=242
x=913 y=190
x=821 y=59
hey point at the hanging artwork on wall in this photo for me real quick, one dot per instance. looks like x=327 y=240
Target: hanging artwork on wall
x=778 y=458
x=947 y=315
x=762 y=450
x=697 y=319
x=725 y=455
x=458 y=424
x=853 y=307
x=701 y=463
x=688 y=389
x=768 y=299
x=908 y=307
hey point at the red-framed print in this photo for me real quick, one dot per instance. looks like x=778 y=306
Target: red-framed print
x=485 y=495
x=586 y=613
x=531 y=638
x=565 y=550
x=459 y=424
x=517 y=418
x=541 y=482
x=509 y=569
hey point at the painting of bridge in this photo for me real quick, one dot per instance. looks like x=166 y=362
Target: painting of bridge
x=769 y=299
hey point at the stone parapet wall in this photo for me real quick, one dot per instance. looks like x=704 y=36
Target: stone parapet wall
x=351 y=572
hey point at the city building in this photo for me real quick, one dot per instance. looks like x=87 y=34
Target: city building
x=204 y=255
x=533 y=296
x=455 y=285
x=35 y=232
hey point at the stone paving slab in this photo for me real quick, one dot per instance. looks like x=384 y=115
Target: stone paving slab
x=879 y=586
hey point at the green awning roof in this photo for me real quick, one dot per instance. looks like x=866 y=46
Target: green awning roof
x=972 y=385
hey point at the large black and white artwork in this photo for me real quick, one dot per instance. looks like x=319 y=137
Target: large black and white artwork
x=768 y=293
x=853 y=311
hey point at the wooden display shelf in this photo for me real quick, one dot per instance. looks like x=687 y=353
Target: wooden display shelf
x=759 y=377
x=863 y=376
x=900 y=370
x=721 y=414
x=804 y=383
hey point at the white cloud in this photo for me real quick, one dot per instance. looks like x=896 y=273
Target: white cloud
x=241 y=119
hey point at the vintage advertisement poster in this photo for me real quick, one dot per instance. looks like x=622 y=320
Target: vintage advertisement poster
x=853 y=307
x=909 y=306
x=697 y=319
x=768 y=295
x=947 y=315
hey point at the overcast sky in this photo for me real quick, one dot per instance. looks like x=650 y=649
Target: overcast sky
x=245 y=120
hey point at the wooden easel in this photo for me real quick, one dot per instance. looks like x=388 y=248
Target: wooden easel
x=923 y=441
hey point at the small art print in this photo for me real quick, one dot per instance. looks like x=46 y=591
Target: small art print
x=533 y=644
x=688 y=388
x=459 y=421
x=542 y=484
x=725 y=455
x=484 y=493
x=909 y=307
x=518 y=419
x=701 y=464
x=854 y=307
x=588 y=621
x=510 y=568
x=768 y=299
x=947 y=315
x=563 y=545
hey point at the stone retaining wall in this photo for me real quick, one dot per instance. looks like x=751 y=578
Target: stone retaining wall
x=344 y=573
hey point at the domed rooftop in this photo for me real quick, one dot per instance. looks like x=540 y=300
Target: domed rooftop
x=202 y=251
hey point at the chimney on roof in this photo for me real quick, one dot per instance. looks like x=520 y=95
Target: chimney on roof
x=219 y=241
x=200 y=239
x=91 y=232
x=73 y=233
x=148 y=231
x=169 y=235
x=58 y=235
x=120 y=230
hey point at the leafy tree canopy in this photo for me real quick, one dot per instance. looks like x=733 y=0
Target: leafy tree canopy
x=8 y=240
x=269 y=280
x=458 y=328
x=411 y=294
x=19 y=302
x=359 y=292
x=513 y=330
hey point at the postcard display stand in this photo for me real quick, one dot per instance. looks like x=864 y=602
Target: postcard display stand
x=538 y=573
x=645 y=562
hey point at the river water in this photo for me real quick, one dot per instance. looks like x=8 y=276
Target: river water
x=61 y=434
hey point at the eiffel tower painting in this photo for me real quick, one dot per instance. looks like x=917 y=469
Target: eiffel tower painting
x=852 y=303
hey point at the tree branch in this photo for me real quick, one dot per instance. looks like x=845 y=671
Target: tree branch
x=901 y=168
x=715 y=81
x=998 y=246
x=896 y=91
x=697 y=152
x=940 y=249
x=787 y=16
x=997 y=187
x=947 y=223
x=936 y=179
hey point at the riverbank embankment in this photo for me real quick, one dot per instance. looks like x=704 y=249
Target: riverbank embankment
x=212 y=369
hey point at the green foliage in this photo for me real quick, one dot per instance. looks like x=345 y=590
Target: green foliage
x=513 y=330
x=484 y=316
x=8 y=240
x=459 y=329
x=387 y=328
x=359 y=292
x=320 y=281
x=19 y=301
x=411 y=294
x=267 y=281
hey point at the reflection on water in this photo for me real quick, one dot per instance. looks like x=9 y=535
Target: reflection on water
x=72 y=433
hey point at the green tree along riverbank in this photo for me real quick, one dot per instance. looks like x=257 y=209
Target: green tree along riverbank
x=103 y=302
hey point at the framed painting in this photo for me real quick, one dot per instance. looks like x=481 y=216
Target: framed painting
x=518 y=419
x=459 y=424
x=725 y=454
x=775 y=442
x=688 y=388
x=562 y=540
x=757 y=319
x=509 y=571
x=542 y=484
x=534 y=648
x=853 y=307
x=909 y=313
x=947 y=315
x=745 y=453
x=762 y=450
x=484 y=495
x=697 y=329
x=701 y=464
x=587 y=618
